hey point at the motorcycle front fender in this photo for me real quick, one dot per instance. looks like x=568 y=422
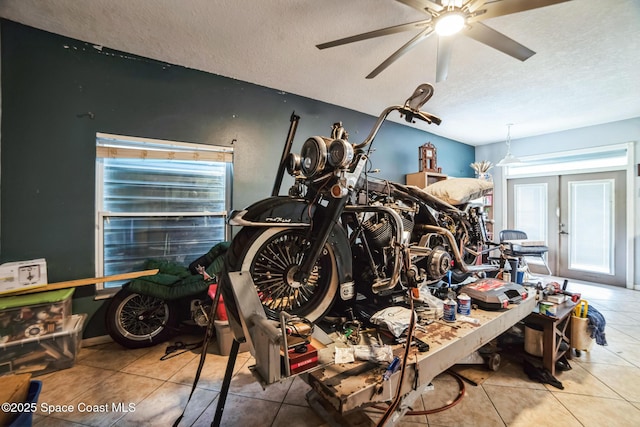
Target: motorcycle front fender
x=274 y=211
x=283 y=211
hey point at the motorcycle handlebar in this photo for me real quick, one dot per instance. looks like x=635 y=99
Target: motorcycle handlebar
x=405 y=111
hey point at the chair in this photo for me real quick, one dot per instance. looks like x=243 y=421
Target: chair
x=519 y=246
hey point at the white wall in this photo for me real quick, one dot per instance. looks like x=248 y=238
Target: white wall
x=593 y=136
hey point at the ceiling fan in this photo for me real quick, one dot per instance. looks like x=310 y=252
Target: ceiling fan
x=447 y=18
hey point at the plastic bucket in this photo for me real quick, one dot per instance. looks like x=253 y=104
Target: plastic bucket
x=25 y=418
x=533 y=340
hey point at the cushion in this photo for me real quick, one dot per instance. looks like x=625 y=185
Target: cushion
x=526 y=247
x=457 y=191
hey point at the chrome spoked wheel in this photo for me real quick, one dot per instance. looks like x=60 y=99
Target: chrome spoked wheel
x=273 y=256
x=136 y=320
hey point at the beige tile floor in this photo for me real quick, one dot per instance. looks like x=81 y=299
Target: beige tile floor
x=602 y=389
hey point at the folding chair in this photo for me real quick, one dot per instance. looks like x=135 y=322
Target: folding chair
x=517 y=245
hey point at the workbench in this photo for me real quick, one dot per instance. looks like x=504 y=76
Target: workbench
x=339 y=389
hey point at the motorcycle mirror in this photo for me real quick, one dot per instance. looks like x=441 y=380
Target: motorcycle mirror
x=420 y=96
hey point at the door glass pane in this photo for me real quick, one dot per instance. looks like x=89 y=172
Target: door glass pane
x=591 y=226
x=530 y=210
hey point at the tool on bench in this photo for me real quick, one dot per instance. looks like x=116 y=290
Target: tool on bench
x=391 y=369
x=351 y=329
x=442 y=322
x=420 y=345
x=575 y=296
x=416 y=378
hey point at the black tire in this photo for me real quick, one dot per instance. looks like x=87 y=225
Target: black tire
x=271 y=255
x=135 y=321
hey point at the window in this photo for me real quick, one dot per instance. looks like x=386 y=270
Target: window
x=592 y=207
x=157 y=200
x=530 y=210
x=607 y=157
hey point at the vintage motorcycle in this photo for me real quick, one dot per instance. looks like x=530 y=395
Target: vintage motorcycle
x=341 y=234
x=149 y=310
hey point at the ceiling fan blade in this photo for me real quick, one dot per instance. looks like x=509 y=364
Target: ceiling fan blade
x=499 y=41
x=445 y=47
x=506 y=7
x=376 y=33
x=404 y=49
x=472 y=5
x=422 y=5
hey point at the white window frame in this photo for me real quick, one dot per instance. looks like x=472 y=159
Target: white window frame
x=113 y=146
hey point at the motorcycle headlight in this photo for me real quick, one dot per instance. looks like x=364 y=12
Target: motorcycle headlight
x=340 y=153
x=293 y=164
x=313 y=156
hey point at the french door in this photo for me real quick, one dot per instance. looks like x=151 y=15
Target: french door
x=583 y=222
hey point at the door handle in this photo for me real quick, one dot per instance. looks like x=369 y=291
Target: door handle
x=562 y=230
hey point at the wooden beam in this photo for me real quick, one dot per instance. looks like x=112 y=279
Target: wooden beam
x=84 y=282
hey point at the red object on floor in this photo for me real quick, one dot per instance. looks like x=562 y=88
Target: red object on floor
x=299 y=362
x=221 y=311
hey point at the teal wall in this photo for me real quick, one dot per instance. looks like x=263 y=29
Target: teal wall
x=58 y=92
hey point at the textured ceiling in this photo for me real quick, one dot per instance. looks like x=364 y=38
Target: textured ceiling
x=586 y=70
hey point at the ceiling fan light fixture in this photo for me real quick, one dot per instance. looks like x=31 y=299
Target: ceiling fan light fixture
x=450 y=23
x=509 y=159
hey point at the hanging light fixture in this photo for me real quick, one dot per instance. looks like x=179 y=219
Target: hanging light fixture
x=452 y=20
x=509 y=158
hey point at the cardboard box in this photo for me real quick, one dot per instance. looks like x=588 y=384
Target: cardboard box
x=20 y=275
x=555 y=299
x=34 y=315
x=40 y=355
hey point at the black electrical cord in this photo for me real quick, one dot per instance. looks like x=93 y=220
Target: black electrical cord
x=171 y=350
x=294 y=329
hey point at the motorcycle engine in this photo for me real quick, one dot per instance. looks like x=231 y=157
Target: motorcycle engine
x=199 y=313
x=378 y=231
x=378 y=228
x=436 y=263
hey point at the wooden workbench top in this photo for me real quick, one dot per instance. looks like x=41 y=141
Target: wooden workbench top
x=351 y=386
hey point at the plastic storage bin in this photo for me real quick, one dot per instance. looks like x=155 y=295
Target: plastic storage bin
x=224 y=336
x=34 y=315
x=25 y=419
x=39 y=355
